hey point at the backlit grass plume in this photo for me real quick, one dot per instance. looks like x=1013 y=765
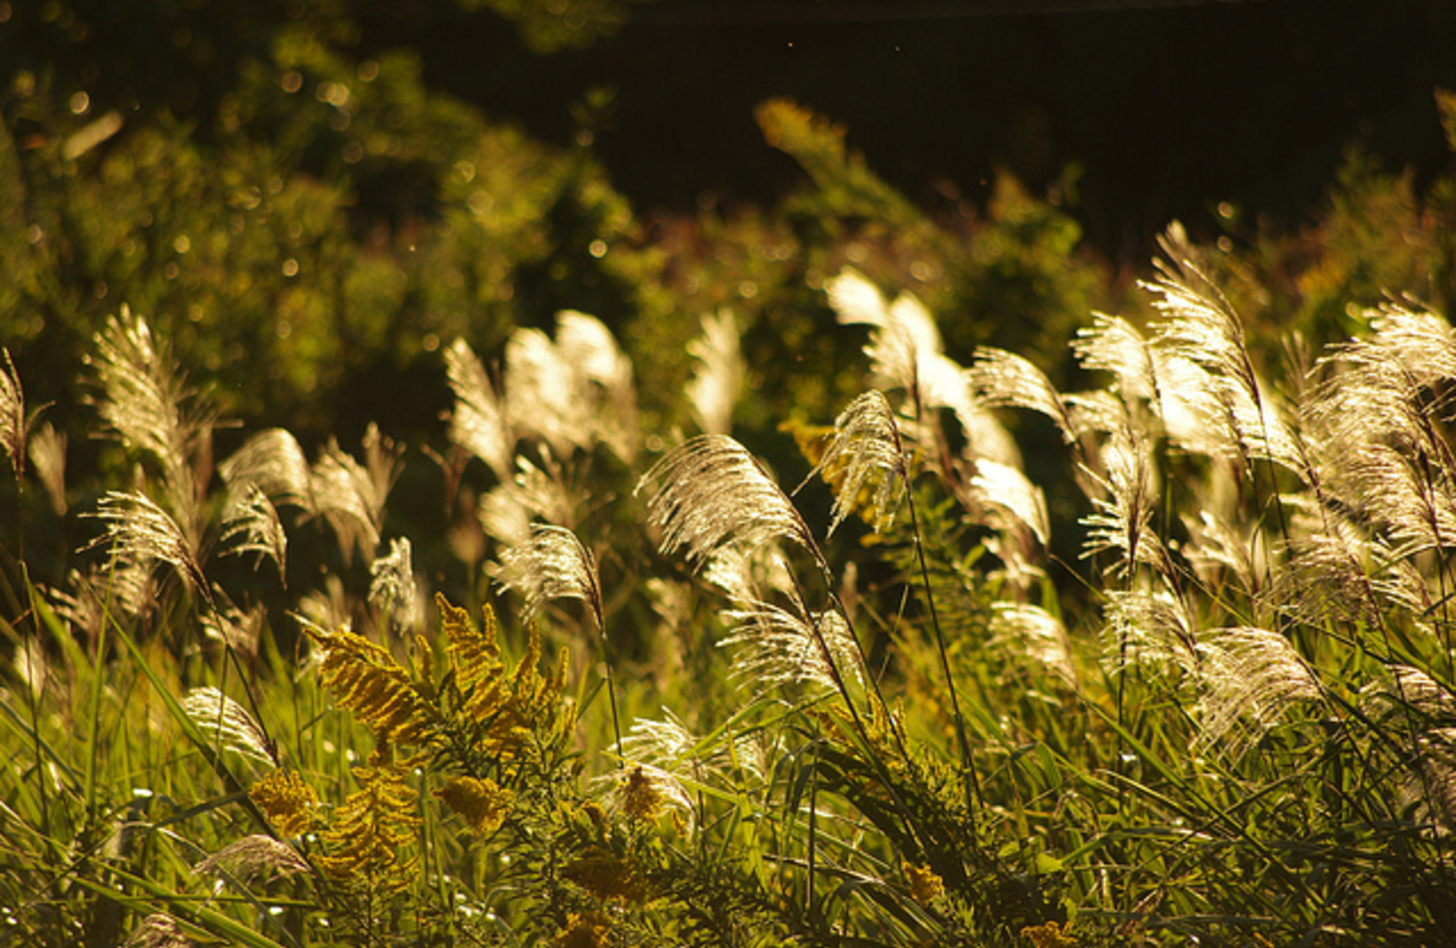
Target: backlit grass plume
x=905 y=352
x=478 y=422
x=273 y=461
x=717 y=381
x=143 y=400
x=246 y=859
x=710 y=493
x=13 y=419
x=139 y=534
x=552 y=564
x=252 y=526
x=866 y=453
x=776 y=646
x=229 y=723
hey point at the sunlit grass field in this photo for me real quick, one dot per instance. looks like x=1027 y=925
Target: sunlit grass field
x=665 y=694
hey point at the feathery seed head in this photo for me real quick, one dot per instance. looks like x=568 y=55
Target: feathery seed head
x=47 y=449
x=272 y=460
x=392 y=585
x=251 y=525
x=1033 y=632
x=158 y=930
x=245 y=859
x=1007 y=489
x=222 y=718
x=865 y=451
x=1250 y=678
x=718 y=379
x=478 y=422
x=710 y=493
x=1004 y=379
x=139 y=533
x=13 y=420
x=776 y=646
x=552 y=564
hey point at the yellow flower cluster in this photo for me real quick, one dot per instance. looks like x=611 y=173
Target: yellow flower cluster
x=287 y=801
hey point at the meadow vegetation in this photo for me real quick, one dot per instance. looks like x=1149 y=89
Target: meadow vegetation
x=518 y=571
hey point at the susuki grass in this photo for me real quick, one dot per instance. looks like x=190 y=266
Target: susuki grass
x=673 y=707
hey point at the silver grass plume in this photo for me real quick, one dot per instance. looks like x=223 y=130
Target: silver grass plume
x=1404 y=689
x=1380 y=422
x=1030 y=632
x=776 y=646
x=479 y=422
x=865 y=452
x=229 y=724
x=1101 y=412
x=1249 y=679
x=668 y=744
x=1152 y=630
x=1200 y=325
x=905 y=353
x=251 y=525
x=1122 y=523
x=47 y=449
x=1407 y=699
x=543 y=394
x=13 y=420
x=351 y=496
x=139 y=533
x=246 y=859
x=1216 y=548
x=273 y=460
x=749 y=574
x=1112 y=344
x=1421 y=340
x=142 y=401
x=718 y=380
x=86 y=600
x=158 y=930
x=535 y=493
x=710 y=493
x=392 y=587
x=233 y=628
x=944 y=384
x=1004 y=379
x=1006 y=489
x=603 y=378
x=1339 y=574
x=552 y=564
